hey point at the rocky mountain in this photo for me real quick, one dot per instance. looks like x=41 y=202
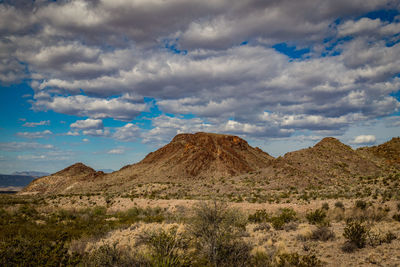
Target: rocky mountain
x=199 y=159
x=326 y=163
x=201 y=155
x=59 y=182
x=386 y=154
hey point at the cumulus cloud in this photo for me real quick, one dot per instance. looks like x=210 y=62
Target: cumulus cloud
x=97 y=108
x=87 y=124
x=364 y=140
x=128 y=132
x=187 y=58
x=35 y=135
x=34 y=124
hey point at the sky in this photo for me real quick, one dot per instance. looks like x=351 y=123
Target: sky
x=105 y=82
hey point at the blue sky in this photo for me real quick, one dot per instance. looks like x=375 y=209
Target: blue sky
x=106 y=82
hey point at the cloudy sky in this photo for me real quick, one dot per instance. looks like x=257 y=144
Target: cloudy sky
x=104 y=82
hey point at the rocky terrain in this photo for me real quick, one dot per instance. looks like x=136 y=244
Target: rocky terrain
x=204 y=158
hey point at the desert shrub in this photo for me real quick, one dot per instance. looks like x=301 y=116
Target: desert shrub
x=261 y=259
x=323 y=233
x=294 y=259
x=284 y=216
x=349 y=247
x=325 y=206
x=340 y=205
x=398 y=206
x=107 y=255
x=291 y=226
x=361 y=204
x=396 y=217
x=167 y=247
x=376 y=238
x=259 y=216
x=262 y=227
x=218 y=230
x=356 y=232
x=316 y=217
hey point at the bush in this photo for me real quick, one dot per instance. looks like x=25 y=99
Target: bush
x=356 y=233
x=259 y=216
x=361 y=204
x=316 y=217
x=218 y=231
x=325 y=206
x=323 y=233
x=294 y=259
x=285 y=215
x=339 y=205
x=396 y=217
x=166 y=245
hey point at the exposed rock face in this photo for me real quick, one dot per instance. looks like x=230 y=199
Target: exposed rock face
x=202 y=155
x=64 y=180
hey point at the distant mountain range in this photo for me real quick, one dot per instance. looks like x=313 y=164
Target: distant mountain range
x=31 y=173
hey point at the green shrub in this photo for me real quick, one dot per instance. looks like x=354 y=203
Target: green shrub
x=356 y=232
x=339 y=205
x=218 y=230
x=325 y=206
x=361 y=204
x=259 y=216
x=294 y=259
x=323 y=233
x=167 y=247
x=284 y=216
x=316 y=217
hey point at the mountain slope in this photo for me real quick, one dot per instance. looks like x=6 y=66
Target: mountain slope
x=386 y=154
x=328 y=162
x=75 y=175
x=201 y=155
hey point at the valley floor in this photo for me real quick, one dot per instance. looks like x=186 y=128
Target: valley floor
x=103 y=229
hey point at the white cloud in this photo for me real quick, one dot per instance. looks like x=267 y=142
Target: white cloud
x=72 y=133
x=116 y=151
x=87 y=124
x=35 y=135
x=128 y=132
x=364 y=140
x=97 y=108
x=22 y=146
x=34 y=124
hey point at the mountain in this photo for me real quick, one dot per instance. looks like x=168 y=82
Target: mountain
x=63 y=180
x=201 y=160
x=31 y=173
x=386 y=154
x=201 y=155
x=187 y=157
x=326 y=163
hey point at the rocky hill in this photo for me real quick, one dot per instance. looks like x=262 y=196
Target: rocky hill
x=386 y=155
x=201 y=155
x=68 y=178
x=326 y=163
